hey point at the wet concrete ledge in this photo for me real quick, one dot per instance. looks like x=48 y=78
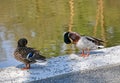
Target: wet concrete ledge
x=102 y=66
x=107 y=74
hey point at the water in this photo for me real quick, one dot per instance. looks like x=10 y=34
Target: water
x=43 y=23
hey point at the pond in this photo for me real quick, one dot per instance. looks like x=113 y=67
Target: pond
x=43 y=23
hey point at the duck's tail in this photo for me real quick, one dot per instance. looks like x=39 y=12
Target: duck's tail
x=100 y=47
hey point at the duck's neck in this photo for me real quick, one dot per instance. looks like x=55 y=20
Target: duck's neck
x=77 y=40
x=21 y=46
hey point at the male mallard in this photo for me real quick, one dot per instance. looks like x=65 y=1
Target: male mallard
x=27 y=55
x=83 y=42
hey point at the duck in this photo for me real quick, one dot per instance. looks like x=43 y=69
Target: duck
x=27 y=55
x=82 y=42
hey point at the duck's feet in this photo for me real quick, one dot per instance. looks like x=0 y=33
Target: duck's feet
x=84 y=55
x=26 y=68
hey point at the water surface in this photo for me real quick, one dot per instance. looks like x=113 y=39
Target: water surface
x=43 y=23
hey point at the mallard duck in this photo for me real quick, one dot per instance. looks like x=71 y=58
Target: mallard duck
x=27 y=55
x=84 y=43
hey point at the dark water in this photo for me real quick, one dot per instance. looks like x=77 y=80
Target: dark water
x=43 y=23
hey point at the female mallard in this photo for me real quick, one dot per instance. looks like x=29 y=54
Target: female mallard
x=27 y=55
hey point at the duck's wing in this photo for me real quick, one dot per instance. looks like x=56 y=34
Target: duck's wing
x=30 y=54
x=94 y=40
x=23 y=51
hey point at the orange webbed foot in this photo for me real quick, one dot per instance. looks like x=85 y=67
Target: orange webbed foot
x=83 y=55
x=26 y=68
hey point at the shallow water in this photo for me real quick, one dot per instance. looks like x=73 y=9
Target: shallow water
x=43 y=23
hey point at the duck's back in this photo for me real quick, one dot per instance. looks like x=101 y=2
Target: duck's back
x=22 y=52
x=84 y=43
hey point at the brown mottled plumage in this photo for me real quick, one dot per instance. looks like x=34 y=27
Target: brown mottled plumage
x=27 y=55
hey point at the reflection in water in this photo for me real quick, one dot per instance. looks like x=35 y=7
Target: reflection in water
x=7 y=48
x=2 y=52
x=8 y=44
x=33 y=34
x=2 y=38
x=44 y=22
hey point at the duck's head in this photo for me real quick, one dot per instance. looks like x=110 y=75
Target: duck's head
x=71 y=37
x=22 y=42
x=66 y=38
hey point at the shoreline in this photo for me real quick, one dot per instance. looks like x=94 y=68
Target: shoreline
x=63 y=65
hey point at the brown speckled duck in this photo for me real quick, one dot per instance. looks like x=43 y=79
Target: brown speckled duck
x=27 y=55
